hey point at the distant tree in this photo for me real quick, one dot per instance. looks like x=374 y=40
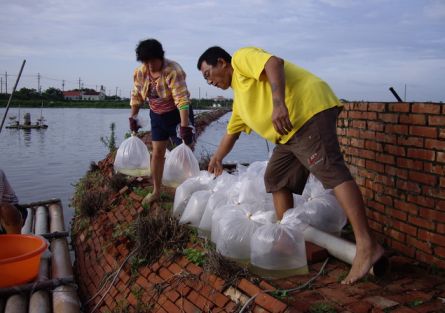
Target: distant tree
x=27 y=94
x=53 y=94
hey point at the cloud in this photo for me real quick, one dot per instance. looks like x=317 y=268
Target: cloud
x=349 y=43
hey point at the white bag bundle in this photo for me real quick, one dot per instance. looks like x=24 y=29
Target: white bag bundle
x=224 y=192
x=324 y=213
x=279 y=246
x=236 y=228
x=180 y=164
x=195 y=208
x=132 y=158
x=203 y=181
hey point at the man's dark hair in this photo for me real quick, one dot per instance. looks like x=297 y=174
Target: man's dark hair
x=211 y=56
x=149 y=49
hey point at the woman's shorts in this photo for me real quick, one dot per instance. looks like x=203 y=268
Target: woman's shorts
x=313 y=149
x=163 y=126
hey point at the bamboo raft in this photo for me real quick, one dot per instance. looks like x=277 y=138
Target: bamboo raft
x=54 y=290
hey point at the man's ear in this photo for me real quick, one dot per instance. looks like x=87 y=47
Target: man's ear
x=222 y=62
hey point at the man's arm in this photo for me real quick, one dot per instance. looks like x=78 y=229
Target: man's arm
x=274 y=69
x=225 y=146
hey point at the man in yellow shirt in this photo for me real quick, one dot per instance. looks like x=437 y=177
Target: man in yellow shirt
x=296 y=110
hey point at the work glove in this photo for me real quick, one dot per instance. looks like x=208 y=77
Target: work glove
x=186 y=134
x=134 y=127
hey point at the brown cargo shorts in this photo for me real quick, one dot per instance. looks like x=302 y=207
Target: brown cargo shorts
x=313 y=149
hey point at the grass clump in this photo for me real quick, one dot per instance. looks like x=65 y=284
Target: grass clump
x=91 y=194
x=117 y=182
x=159 y=232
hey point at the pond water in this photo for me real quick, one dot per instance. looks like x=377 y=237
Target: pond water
x=46 y=163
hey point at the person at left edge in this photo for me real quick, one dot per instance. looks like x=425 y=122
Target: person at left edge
x=160 y=82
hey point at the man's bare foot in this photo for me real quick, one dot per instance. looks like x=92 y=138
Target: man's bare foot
x=363 y=262
x=151 y=197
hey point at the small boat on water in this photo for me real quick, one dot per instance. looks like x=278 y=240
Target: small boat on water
x=14 y=122
x=27 y=124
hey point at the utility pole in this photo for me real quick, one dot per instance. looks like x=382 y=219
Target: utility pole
x=38 y=83
x=1 y=85
x=6 y=82
x=79 y=83
x=116 y=92
x=63 y=85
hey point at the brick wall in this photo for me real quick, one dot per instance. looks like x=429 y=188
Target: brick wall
x=396 y=152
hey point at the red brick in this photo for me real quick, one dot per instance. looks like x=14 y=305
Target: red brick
x=170 y=307
x=186 y=306
x=248 y=287
x=436 y=120
x=165 y=273
x=406 y=228
x=194 y=269
x=422 y=154
x=269 y=303
x=425 y=108
x=423 y=178
x=413 y=119
x=198 y=300
x=422 y=245
x=432 y=237
x=423 y=131
x=173 y=295
x=435 y=144
x=432 y=215
x=337 y=295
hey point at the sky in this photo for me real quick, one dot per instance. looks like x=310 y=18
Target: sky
x=360 y=47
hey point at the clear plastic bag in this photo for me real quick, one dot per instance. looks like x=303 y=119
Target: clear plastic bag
x=132 y=158
x=195 y=208
x=203 y=181
x=236 y=228
x=180 y=164
x=324 y=213
x=279 y=246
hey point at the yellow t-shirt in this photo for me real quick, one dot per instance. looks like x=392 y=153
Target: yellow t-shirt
x=305 y=95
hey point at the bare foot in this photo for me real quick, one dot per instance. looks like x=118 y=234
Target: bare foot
x=151 y=197
x=363 y=262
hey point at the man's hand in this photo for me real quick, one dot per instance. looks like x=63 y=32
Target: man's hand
x=186 y=134
x=280 y=119
x=134 y=127
x=215 y=166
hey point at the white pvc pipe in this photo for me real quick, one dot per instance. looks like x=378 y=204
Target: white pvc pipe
x=341 y=249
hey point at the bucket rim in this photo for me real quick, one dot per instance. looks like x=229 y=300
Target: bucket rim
x=28 y=255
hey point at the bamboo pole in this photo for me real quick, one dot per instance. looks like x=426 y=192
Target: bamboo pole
x=10 y=96
x=65 y=299
x=46 y=284
x=38 y=203
x=39 y=301
x=17 y=304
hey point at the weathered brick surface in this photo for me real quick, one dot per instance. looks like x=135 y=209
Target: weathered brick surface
x=398 y=165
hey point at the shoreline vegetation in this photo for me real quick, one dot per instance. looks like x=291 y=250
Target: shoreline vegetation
x=104 y=104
